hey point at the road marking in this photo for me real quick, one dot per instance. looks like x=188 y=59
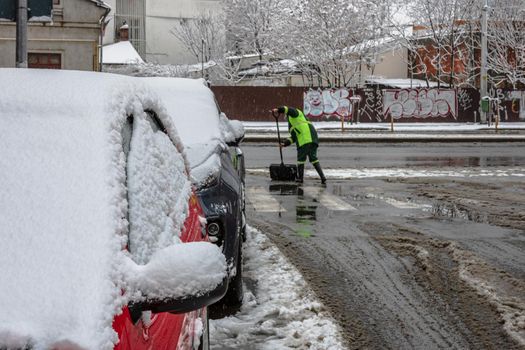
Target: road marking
x=262 y=201
x=397 y=203
x=328 y=200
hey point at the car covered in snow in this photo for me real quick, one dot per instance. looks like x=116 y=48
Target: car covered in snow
x=211 y=142
x=103 y=238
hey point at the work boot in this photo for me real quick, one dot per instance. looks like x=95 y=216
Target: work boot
x=300 y=173
x=317 y=167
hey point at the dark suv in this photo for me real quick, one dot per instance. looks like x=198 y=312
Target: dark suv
x=211 y=142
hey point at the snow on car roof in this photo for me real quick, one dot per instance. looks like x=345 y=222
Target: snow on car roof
x=63 y=203
x=192 y=106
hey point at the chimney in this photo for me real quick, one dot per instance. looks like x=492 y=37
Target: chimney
x=124 y=32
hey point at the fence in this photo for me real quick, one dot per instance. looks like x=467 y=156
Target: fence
x=368 y=105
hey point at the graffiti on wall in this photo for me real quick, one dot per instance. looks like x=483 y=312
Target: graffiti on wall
x=518 y=103
x=465 y=101
x=327 y=103
x=369 y=109
x=372 y=109
x=420 y=103
x=509 y=104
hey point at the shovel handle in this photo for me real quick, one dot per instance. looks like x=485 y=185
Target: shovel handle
x=276 y=116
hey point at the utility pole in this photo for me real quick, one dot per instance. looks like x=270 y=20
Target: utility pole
x=21 y=34
x=202 y=57
x=484 y=53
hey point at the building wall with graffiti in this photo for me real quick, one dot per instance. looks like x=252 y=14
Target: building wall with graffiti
x=369 y=104
x=420 y=103
x=327 y=103
x=410 y=105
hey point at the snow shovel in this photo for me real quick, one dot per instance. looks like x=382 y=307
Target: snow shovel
x=282 y=172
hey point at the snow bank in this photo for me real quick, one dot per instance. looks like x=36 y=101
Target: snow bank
x=352 y=173
x=281 y=313
x=504 y=292
x=63 y=204
x=420 y=127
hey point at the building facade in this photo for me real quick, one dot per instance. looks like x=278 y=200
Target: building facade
x=150 y=24
x=70 y=41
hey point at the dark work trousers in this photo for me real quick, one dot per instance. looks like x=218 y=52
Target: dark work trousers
x=309 y=151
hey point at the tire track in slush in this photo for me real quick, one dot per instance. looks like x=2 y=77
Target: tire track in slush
x=504 y=253
x=399 y=298
x=371 y=293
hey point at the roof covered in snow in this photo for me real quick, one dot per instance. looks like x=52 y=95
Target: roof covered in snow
x=285 y=66
x=120 y=53
x=400 y=83
x=101 y=3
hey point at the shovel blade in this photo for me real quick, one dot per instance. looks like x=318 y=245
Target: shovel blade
x=283 y=172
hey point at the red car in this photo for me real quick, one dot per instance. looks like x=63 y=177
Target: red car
x=166 y=330
x=103 y=239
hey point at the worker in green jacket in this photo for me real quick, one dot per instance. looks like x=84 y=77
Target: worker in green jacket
x=304 y=135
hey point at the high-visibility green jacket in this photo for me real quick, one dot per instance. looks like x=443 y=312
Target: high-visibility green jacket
x=301 y=129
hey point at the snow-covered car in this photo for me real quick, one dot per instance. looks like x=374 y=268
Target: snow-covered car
x=211 y=142
x=103 y=238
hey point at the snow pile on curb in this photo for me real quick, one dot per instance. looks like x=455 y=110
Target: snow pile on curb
x=367 y=173
x=402 y=126
x=281 y=313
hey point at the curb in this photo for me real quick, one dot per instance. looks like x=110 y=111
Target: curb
x=390 y=138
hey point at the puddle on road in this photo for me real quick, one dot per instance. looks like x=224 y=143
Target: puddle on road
x=305 y=215
x=451 y=210
x=305 y=207
x=286 y=189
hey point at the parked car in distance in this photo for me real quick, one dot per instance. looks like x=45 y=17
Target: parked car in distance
x=102 y=240
x=211 y=142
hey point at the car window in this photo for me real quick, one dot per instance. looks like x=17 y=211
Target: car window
x=126 y=135
x=158 y=189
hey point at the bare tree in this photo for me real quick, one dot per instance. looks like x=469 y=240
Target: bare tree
x=330 y=39
x=250 y=24
x=448 y=38
x=506 y=39
x=203 y=36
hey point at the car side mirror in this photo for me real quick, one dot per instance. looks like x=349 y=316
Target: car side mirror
x=236 y=142
x=177 y=279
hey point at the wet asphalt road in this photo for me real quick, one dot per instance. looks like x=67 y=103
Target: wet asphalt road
x=361 y=155
x=421 y=262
